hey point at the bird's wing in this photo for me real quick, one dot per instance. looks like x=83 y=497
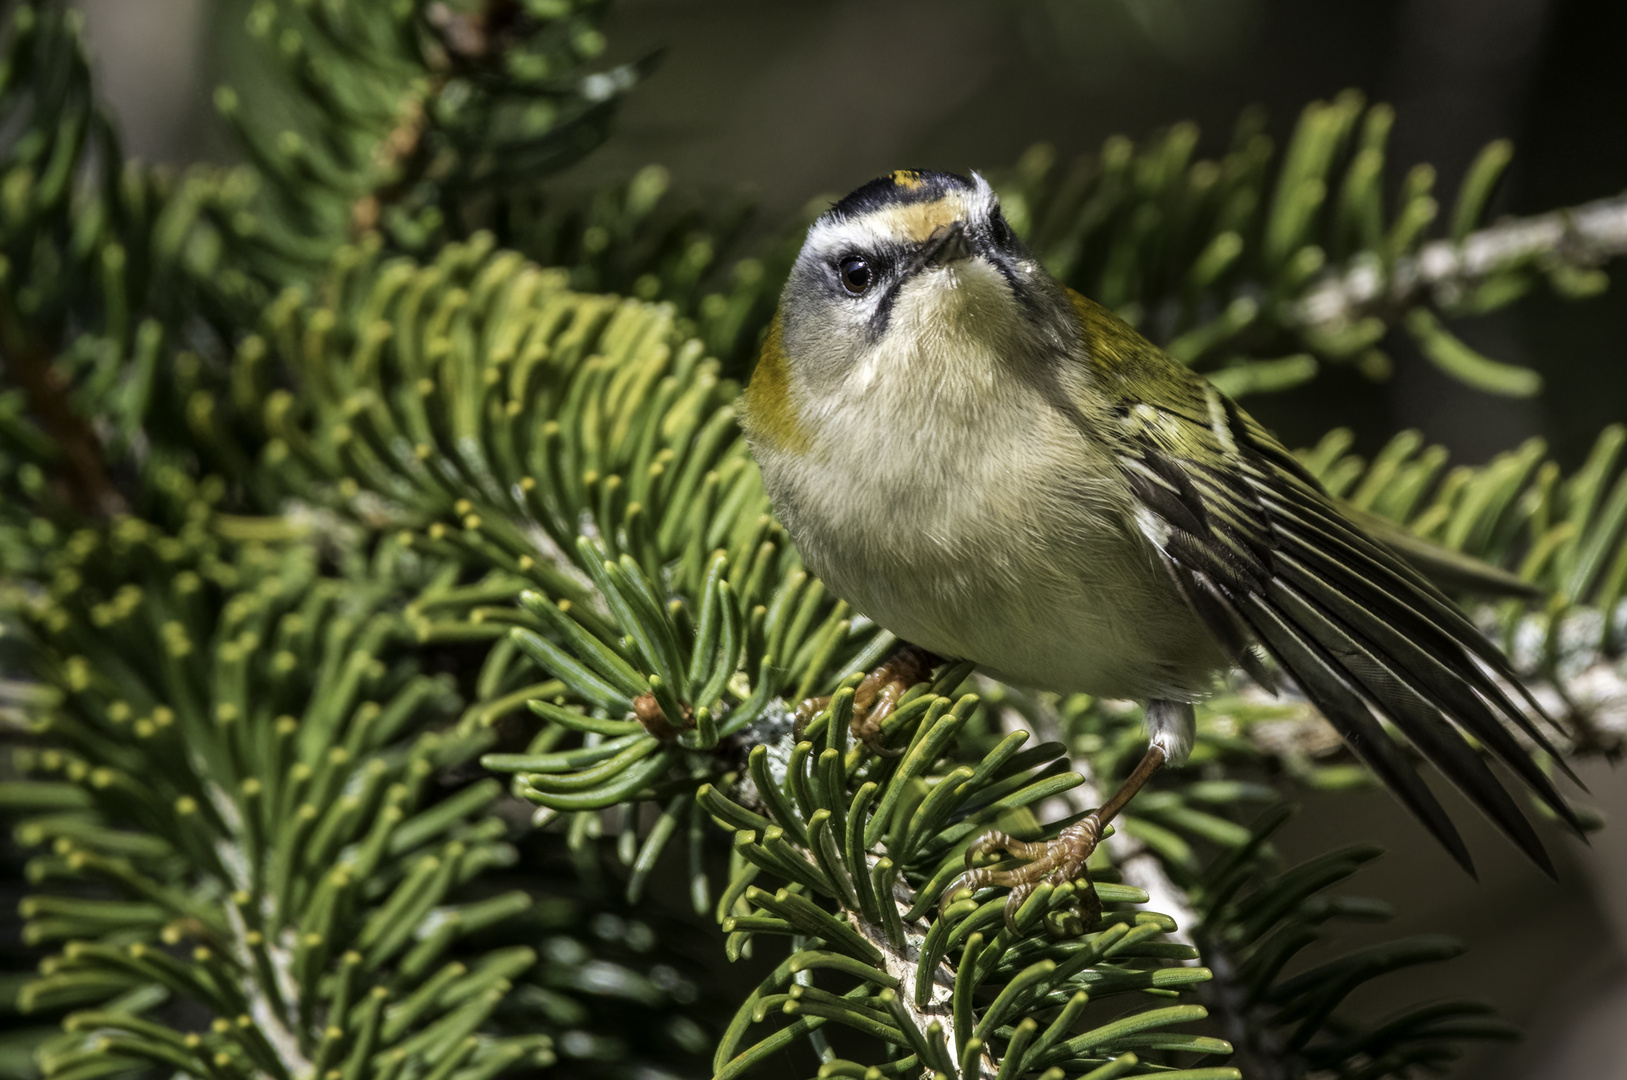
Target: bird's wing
x=1262 y=554
x=1444 y=567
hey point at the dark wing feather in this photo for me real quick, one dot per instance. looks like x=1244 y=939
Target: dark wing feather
x=1430 y=616
x=1353 y=719
x=1260 y=552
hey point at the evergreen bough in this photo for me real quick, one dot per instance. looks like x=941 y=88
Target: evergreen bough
x=346 y=510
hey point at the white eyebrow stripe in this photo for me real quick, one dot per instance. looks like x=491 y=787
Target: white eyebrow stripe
x=861 y=233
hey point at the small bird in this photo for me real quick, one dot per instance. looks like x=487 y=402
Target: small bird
x=997 y=469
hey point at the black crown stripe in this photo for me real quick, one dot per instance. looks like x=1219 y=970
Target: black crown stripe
x=899 y=188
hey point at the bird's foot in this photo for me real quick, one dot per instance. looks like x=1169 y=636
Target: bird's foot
x=1052 y=862
x=876 y=697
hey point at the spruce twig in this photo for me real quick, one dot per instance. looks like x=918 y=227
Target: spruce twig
x=1448 y=270
x=904 y=965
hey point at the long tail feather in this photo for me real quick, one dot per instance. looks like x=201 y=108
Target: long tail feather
x=1353 y=719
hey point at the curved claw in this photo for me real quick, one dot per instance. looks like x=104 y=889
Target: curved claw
x=866 y=727
x=967 y=882
x=807 y=709
x=1014 y=904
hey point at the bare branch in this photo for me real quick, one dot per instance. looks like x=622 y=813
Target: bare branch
x=1580 y=236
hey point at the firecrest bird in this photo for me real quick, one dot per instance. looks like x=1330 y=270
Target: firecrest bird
x=997 y=469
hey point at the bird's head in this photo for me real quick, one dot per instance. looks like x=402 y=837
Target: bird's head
x=913 y=285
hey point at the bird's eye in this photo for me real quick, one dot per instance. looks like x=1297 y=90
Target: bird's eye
x=854 y=271
x=998 y=226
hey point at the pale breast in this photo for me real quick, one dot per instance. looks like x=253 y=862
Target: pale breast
x=1007 y=558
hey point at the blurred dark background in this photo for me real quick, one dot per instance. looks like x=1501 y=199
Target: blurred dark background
x=797 y=101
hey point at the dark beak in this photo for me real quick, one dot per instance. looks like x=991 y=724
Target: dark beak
x=946 y=245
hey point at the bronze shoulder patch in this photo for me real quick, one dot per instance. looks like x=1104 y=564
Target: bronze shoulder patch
x=769 y=414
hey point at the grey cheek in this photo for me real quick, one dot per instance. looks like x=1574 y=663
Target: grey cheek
x=822 y=342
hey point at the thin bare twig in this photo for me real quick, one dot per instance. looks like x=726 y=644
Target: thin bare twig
x=1581 y=236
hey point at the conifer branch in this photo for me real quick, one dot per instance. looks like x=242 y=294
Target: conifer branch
x=499 y=495
x=1447 y=270
x=904 y=965
x=267 y=1019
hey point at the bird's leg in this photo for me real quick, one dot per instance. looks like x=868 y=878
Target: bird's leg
x=1053 y=861
x=875 y=698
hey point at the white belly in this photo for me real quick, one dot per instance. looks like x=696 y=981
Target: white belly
x=1017 y=566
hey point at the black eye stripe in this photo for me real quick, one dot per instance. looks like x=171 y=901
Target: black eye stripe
x=999 y=230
